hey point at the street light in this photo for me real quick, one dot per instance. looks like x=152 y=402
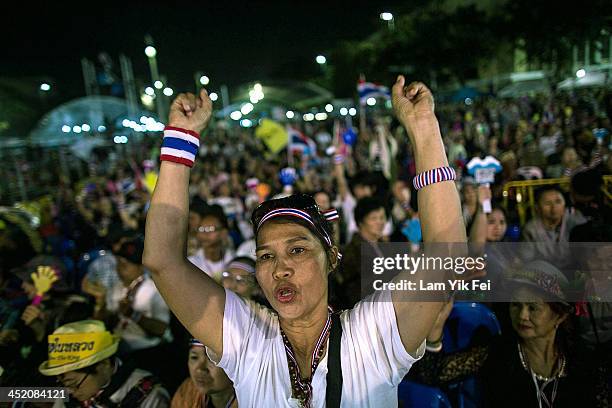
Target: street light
x=246 y=108
x=150 y=51
x=86 y=127
x=290 y=114
x=45 y=87
x=581 y=73
x=204 y=80
x=371 y=101
x=168 y=91
x=352 y=111
x=66 y=129
x=329 y=107
x=343 y=111
x=388 y=17
x=213 y=96
x=149 y=91
x=158 y=84
x=321 y=59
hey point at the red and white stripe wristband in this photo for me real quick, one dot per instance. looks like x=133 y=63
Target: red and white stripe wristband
x=180 y=146
x=433 y=176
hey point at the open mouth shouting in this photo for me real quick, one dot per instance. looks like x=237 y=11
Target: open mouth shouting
x=285 y=293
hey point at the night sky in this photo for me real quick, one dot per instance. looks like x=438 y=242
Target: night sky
x=232 y=44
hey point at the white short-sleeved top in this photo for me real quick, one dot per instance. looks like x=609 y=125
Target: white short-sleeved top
x=373 y=358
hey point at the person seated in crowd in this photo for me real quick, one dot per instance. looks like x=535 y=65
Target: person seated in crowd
x=595 y=325
x=196 y=210
x=207 y=385
x=569 y=162
x=46 y=295
x=370 y=217
x=488 y=227
x=134 y=308
x=214 y=255
x=469 y=203
x=323 y=200
x=94 y=376
x=101 y=268
x=541 y=363
x=240 y=277
x=550 y=230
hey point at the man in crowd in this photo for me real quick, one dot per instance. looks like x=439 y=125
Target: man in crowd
x=213 y=256
x=93 y=375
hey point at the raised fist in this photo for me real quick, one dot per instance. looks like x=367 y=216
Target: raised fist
x=412 y=101
x=191 y=112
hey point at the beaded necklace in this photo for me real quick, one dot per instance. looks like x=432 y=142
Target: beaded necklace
x=301 y=389
x=542 y=397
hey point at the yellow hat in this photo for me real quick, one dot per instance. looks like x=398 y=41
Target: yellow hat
x=78 y=345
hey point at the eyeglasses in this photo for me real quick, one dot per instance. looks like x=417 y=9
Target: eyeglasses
x=209 y=228
x=60 y=381
x=239 y=279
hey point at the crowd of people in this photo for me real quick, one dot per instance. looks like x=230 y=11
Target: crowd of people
x=115 y=331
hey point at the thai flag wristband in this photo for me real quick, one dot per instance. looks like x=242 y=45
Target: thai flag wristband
x=180 y=146
x=433 y=176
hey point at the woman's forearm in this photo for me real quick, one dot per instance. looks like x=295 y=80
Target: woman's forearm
x=478 y=232
x=439 y=204
x=167 y=218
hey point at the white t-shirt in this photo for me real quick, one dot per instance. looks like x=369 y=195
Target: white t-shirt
x=373 y=358
x=212 y=269
x=147 y=301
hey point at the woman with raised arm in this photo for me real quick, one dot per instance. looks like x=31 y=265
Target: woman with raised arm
x=301 y=353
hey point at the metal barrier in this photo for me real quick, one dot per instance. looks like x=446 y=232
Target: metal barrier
x=525 y=193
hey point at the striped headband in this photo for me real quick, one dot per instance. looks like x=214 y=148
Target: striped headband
x=195 y=343
x=293 y=212
x=243 y=266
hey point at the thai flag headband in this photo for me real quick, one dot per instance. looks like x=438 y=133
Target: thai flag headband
x=243 y=266
x=195 y=343
x=292 y=212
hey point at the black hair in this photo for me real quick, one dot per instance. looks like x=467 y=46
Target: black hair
x=587 y=183
x=362 y=177
x=498 y=207
x=116 y=233
x=215 y=211
x=198 y=206
x=544 y=189
x=76 y=311
x=365 y=206
x=131 y=249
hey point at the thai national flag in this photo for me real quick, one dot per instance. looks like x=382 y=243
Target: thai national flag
x=298 y=142
x=371 y=90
